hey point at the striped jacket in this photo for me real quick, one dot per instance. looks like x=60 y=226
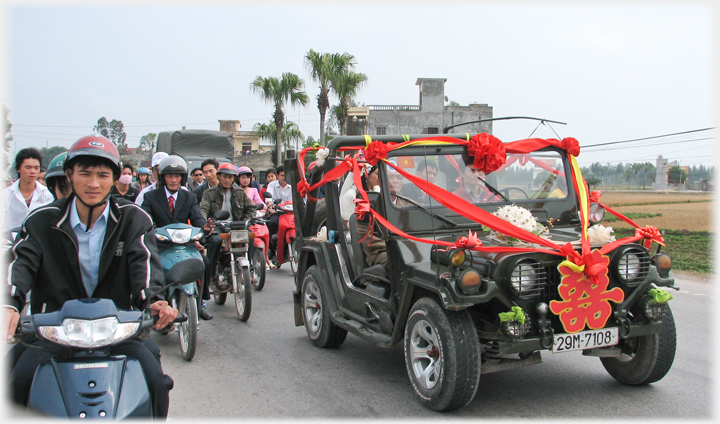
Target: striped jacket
x=44 y=259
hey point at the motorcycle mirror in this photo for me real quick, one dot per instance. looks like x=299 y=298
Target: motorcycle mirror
x=221 y=215
x=277 y=201
x=267 y=195
x=259 y=206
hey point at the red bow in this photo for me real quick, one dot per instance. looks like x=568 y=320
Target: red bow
x=468 y=242
x=376 y=151
x=303 y=187
x=595 y=196
x=571 y=146
x=651 y=234
x=362 y=208
x=488 y=152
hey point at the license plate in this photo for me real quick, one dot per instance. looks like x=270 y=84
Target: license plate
x=585 y=340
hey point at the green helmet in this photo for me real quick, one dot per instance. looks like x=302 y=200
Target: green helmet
x=55 y=169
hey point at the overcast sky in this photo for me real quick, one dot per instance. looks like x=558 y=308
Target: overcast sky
x=612 y=72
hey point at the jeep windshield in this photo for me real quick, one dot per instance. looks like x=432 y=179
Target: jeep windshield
x=537 y=181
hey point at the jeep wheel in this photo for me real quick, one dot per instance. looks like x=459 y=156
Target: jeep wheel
x=441 y=355
x=645 y=359
x=320 y=218
x=320 y=328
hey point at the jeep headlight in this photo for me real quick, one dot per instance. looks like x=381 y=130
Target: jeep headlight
x=596 y=213
x=89 y=333
x=631 y=265
x=528 y=278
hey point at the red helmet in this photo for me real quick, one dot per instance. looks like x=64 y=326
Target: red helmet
x=227 y=168
x=94 y=145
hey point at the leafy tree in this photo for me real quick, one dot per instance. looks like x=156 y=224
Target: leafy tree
x=48 y=153
x=346 y=86
x=676 y=175
x=593 y=182
x=323 y=68
x=279 y=92
x=147 y=142
x=8 y=138
x=289 y=133
x=113 y=131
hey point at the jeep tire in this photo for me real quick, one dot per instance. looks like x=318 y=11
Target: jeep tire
x=316 y=314
x=441 y=355
x=645 y=359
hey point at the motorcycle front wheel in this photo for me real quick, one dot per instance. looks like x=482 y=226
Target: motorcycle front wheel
x=187 y=330
x=243 y=294
x=258 y=273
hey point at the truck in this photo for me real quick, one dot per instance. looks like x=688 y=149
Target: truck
x=197 y=145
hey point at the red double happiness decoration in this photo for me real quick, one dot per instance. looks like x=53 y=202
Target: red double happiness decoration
x=584 y=283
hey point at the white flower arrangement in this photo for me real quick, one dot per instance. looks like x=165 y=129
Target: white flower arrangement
x=520 y=217
x=320 y=156
x=600 y=235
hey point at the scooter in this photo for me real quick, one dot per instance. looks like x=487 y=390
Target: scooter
x=284 y=240
x=232 y=274
x=178 y=251
x=259 y=258
x=87 y=381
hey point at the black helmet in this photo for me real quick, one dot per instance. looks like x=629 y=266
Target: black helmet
x=172 y=164
x=94 y=145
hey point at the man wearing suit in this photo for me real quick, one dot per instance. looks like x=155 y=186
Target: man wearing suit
x=169 y=205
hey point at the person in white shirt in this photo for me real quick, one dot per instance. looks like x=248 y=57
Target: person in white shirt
x=26 y=193
x=156 y=158
x=279 y=189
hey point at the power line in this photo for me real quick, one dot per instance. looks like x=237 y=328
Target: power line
x=648 y=145
x=650 y=138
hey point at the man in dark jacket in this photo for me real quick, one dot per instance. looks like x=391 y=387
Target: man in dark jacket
x=209 y=169
x=225 y=196
x=173 y=173
x=88 y=245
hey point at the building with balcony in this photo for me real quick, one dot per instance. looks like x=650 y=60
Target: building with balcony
x=430 y=116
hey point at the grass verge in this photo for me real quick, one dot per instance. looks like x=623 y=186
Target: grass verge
x=689 y=250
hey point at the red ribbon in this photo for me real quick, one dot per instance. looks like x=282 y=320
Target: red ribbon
x=651 y=234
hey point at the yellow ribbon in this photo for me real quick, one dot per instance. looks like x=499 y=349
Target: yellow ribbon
x=573 y=266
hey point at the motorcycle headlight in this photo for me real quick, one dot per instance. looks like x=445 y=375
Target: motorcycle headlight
x=631 y=265
x=239 y=236
x=528 y=278
x=180 y=235
x=89 y=333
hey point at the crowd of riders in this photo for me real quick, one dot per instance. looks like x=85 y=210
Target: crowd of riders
x=97 y=201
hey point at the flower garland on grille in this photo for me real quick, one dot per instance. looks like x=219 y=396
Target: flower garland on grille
x=584 y=282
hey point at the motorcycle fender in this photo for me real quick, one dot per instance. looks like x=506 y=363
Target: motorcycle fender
x=119 y=389
x=243 y=261
x=189 y=289
x=290 y=236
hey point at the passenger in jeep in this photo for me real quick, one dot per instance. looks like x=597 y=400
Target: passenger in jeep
x=376 y=252
x=427 y=169
x=472 y=189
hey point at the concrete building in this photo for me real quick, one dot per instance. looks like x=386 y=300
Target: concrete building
x=248 y=149
x=430 y=116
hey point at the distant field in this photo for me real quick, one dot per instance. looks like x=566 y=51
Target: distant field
x=680 y=211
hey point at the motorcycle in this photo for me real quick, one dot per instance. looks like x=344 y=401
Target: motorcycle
x=232 y=274
x=259 y=259
x=179 y=252
x=284 y=240
x=87 y=381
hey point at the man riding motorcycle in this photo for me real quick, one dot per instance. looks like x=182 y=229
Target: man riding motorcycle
x=225 y=196
x=173 y=175
x=88 y=245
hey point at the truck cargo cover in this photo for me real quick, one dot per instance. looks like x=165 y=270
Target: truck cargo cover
x=186 y=143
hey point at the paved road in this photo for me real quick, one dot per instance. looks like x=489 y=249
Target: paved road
x=267 y=368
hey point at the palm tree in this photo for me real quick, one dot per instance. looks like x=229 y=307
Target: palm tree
x=287 y=89
x=290 y=133
x=346 y=86
x=323 y=68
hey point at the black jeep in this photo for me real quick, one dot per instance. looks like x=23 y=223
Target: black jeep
x=462 y=312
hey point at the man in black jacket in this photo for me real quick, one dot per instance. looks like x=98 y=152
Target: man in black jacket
x=88 y=245
x=173 y=174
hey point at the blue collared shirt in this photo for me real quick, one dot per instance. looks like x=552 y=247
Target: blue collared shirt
x=89 y=245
